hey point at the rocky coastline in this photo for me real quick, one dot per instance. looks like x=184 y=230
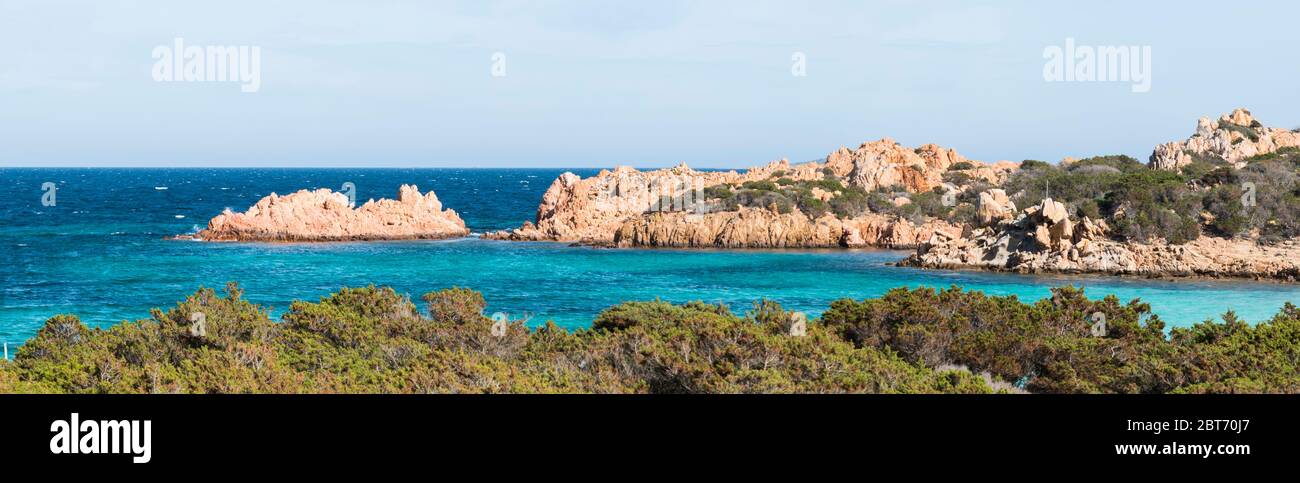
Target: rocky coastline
x=617 y=208
x=1043 y=239
x=956 y=213
x=764 y=228
x=1235 y=137
x=326 y=216
x=625 y=207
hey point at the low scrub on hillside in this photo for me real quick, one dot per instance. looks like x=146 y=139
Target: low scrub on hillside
x=1209 y=197
x=784 y=194
x=1143 y=204
x=374 y=340
x=787 y=195
x=1049 y=346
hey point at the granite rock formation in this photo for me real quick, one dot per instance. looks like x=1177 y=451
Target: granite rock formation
x=765 y=228
x=1234 y=137
x=1043 y=239
x=324 y=215
x=627 y=207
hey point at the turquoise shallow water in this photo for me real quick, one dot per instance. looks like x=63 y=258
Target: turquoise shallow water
x=101 y=253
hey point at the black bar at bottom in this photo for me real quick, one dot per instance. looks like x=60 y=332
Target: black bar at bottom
x=323 y=433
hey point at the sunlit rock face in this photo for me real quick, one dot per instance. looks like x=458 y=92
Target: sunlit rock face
x=1044 y=239
x=666 y=207
x=324 y=215
x=1234 y=137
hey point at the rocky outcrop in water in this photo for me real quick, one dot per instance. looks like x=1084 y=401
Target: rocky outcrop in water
x=590 y=210
x=627 y=207
x=1233 y=137
x=323 y=215
x=1043 y=239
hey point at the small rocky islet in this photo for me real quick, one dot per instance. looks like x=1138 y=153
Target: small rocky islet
x=1189 y=212
x=323 y=215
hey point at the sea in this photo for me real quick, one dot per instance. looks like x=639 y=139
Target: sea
x=97 y=242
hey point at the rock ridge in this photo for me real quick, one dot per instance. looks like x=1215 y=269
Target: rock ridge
x=323 y=215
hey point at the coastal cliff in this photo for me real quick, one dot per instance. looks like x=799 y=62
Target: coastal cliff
x=1043 y=239
x=765 y=228
x=324 y=215
x=780 y=205
x=1225 y=203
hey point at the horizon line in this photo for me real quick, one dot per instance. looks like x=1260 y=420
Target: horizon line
x=362 y=167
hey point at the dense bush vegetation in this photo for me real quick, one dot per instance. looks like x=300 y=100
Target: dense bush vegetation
x=961 y=166
x=849 y=201
x=783 y=193
x=1048 y=346
x=375 y=340
x=1143 y=204
x=1139 y=203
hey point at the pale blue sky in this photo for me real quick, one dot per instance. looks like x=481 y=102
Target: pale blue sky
x=601 y=83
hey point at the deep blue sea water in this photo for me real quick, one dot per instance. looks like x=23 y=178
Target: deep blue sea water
x=101 y=253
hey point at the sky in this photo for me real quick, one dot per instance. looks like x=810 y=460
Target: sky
x=592 y=83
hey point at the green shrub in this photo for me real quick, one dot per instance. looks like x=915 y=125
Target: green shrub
x=1031 y=164
x=764 y=199
x=829 y=185
x=719 y=192
x=630 y=314
x=1048 y=347
x=851 y=203
x=1142 y=204
x=812 y=206
x=1224 y=204
x=786 y=194
x=1074 y=186
x=1245 y=131
x=930 y=203
x=961 y=166
x=957 y=178
x=1123 y=163
x=373 y=340
x=456 y=305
